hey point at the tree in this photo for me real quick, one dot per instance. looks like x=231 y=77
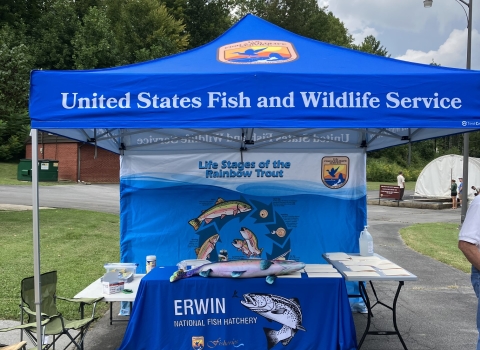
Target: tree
x=204 y=20
x=94 y=44
x=303 y=17
x=371 y=45
x=144 y=30
x=13 y=12
x=15 y=65
x=53 y=35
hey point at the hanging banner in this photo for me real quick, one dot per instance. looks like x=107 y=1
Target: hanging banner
x=226 y=206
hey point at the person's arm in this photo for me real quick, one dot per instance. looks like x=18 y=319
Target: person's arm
x=471 y=252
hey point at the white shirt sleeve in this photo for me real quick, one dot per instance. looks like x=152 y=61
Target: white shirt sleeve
x=470 y=231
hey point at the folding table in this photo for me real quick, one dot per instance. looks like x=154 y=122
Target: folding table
x=95 y=290
x=380 y=276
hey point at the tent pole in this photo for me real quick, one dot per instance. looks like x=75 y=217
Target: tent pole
x=36 y=238
x=464 y=202
x=466 y=136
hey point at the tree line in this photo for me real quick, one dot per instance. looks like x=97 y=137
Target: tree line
x=89 y=34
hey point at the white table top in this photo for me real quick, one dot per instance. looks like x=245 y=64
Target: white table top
x=379 y=274
x=95 y=290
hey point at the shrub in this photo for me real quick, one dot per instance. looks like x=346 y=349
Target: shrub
x=384 y=170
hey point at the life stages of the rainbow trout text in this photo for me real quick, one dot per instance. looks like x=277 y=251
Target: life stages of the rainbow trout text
x=228 y=168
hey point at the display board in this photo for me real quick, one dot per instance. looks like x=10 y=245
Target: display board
x=236 y=206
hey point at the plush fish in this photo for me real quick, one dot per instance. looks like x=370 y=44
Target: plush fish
x=246 y=268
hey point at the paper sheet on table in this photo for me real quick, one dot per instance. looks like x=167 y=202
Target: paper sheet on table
x=388 y=266
x=319 y=268
x=338 y=256
x=369 y=259
x=361 y=274
x=361 y=268
x=358 y=263
x=292 y=275
x=374 y=263
x=395 y=272
x=324 y=275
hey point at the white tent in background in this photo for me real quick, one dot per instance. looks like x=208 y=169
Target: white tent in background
x=435 y=179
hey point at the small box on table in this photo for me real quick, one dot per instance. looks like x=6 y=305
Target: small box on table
x=111 y=284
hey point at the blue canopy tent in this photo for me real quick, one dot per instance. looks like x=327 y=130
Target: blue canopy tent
x=259 y=87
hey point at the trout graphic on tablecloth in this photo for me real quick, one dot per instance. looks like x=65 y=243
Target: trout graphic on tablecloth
x=279 y=309
x=221 y=209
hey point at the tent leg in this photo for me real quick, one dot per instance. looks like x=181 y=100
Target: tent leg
x=466 y=159
x=36 y=237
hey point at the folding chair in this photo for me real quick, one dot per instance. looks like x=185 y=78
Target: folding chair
x=19 y=346
x=53 y=323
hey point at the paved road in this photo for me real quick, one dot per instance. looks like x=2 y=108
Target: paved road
x=435 y=312
x=102 y=198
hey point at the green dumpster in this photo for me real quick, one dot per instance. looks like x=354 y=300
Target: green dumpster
x=47 y=170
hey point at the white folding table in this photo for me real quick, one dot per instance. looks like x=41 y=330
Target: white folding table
x=337 y=261
x=95 y=290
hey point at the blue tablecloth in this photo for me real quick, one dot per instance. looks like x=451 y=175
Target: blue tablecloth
x=226 y=313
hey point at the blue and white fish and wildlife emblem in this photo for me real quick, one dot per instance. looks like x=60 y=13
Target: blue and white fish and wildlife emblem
x=335 y=171
x=276 y=308
x=257 y=52
x=198 y=343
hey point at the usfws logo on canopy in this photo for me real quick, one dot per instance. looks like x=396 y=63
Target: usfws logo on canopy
x=335 y=171
x=257 y=52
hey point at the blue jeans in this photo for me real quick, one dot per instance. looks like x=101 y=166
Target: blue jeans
x=476 y=287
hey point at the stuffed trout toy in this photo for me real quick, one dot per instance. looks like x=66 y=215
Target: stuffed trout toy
x=247 y=268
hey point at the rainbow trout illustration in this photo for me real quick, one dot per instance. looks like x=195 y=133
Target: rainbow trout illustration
x=204 y=251
x=221 y=209
x=251 y=240
x=242 y=269
x=242 y=246
x=279 y=309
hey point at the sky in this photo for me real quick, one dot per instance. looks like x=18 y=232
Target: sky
x=411 y=32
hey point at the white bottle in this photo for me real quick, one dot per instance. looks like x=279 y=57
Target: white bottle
x=151 y=262
x=366 y=243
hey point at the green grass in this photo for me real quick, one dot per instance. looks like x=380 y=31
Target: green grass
x=8 y=176
x=437 y=240
x=375 y=186
x=70 y=243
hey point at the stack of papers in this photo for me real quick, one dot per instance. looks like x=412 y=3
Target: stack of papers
x=361 y=266
x=338 y=256
x=324 y=275
x=297 y=274
x=319 y=268
x=321 y=271
x=395 y=272
x=361 y=273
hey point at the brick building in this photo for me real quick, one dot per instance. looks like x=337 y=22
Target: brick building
x=76 y=160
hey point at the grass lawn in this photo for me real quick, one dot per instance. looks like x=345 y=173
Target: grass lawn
x=73 y=245
x=437 y=240
x=8 y=176
x=375 y=186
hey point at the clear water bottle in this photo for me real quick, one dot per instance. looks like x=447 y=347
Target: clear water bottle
x=366 y=243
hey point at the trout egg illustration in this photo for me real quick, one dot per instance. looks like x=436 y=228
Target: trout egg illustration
x=263 y=213
x=280 y=232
